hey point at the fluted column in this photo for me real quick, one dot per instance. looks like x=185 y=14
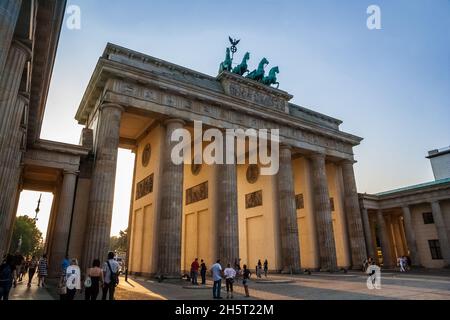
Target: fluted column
x=410 y=236
x=227 y=213
x=441 y=231
x=9 y=13
x=324 y=220
x=102 y=184
x=384 y=239
x=10 y=170
x=62 y=225
x=290 y=250
x=368 y=233
x=170 y=216
x=353 y=214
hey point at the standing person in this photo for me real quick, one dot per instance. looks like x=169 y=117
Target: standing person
x=237 y=268
x=194 y=271
x=6 y=277
x=401 y=262
x=73 y=282
x=216 y=270
x=259 y=269
x=32 y=265
x=405 y=264
x=110 y=277
x=94 y=278
x=42 y=270
x=229 y=274
x=65 y=264
x=245 y=278
x=266 y=267
x=203 y=271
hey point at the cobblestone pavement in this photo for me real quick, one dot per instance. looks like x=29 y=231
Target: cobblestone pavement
x=422 y=285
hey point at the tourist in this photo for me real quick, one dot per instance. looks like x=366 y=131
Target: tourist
x=94 y=278
x=32 y=265
x=259 y=269
x=6 y=277
x=194 y=271
x=237 y=268
x=73 y=279
x=229 y=274
x=17 y=269
x=405 y=264
x=245 y=278
x=401 y=264
x=24 y=270
x=266 y=267
x=203 y=271
x=216 y=270
x=42 y=270
x=110 y=277
x=65 y=264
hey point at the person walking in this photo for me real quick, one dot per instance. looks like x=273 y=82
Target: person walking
x=229 y=274
x=32 y=265
x=73 y=279
x=110 y=276
x=259 y=269
x=6 y=277
x=216 y=270
x=42 y=270
x=203 y=271
x=266 y=267
x=245 y=278
x=94 y=278
x=194 y=271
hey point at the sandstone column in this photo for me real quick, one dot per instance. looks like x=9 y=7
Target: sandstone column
x=227 y=212
x=290 y=250
x=384 y=239
x=324 y=221
x=410 y=236
x=353 y=214
x=62 y=225
x=441 y=231
x=102 y=184
x=368 y=233
x=10 y=167
x=9 y=13
x=170 y=215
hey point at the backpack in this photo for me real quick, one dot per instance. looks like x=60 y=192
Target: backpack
x=114 y=277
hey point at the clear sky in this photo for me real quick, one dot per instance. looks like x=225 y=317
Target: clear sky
x=389 y=86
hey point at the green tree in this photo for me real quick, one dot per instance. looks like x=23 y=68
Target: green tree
x=119 y=243
x=28 y=236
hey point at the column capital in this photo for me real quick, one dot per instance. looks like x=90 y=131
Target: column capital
x=284 y=146
x=348 y=162
x=71 y=172
x=174 y=120
x=23 y=46
x=112 y=105
x=317 y=156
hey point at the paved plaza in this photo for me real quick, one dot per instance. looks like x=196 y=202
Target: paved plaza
x=420 y=285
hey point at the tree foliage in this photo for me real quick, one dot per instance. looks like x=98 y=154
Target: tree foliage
x=119 y=243
x=28 y=236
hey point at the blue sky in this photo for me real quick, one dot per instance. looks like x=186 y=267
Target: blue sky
x=389 y=86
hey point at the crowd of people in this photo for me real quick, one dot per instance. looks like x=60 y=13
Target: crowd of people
x=230 y=274
x=14 y=267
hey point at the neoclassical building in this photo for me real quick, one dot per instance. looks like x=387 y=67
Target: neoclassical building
x=307 y=216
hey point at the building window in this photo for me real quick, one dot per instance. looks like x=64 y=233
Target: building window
x=435 y=249
x=299 y=202
x=332 y=204
x=428 y=218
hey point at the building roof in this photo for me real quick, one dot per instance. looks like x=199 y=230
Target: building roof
x=415 y=187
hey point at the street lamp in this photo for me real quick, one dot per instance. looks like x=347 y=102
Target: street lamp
x=37 y=208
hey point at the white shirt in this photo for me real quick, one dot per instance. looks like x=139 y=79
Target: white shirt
x=229 y=273
x=114 y=267
x=73 y=277
x=216 y=269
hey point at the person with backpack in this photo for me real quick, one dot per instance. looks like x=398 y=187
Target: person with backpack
x=203 y=270
x=110 y=277
x=6 y=277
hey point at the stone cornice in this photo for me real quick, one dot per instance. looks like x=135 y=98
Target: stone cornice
x=61 y=147
x=106 y=69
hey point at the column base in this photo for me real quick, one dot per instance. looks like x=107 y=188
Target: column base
x=288 y=270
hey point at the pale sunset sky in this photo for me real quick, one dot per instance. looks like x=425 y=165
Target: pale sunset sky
x=389 y=86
